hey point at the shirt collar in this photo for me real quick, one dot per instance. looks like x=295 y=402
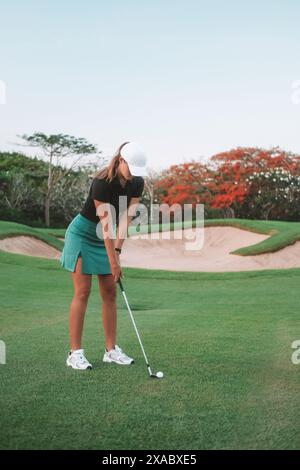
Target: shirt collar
x=116 y=182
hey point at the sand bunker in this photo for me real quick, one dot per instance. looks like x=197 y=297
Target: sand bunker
x=171 y=254
x=214 y=256
x=31 y=246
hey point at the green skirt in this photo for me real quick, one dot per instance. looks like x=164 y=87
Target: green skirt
x=81 y=239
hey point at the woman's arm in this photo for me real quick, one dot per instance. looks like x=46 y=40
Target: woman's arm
x=106 y=222
x=125 y=221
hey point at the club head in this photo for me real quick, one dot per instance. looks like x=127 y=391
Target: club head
x=158 y=375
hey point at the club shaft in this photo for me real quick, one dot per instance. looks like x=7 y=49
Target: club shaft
x=133 y=322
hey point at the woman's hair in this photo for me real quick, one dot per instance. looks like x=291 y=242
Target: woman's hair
x=110 y=171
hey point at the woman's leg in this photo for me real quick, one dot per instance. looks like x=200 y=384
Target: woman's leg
x=82 y=287
x=107 y=288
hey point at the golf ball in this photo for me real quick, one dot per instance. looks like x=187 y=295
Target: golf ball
x=159 y=375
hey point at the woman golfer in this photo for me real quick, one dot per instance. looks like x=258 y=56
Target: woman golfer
x=91 y=247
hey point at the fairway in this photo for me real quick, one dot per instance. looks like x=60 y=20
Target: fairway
x=222 y=340
x=149 y=232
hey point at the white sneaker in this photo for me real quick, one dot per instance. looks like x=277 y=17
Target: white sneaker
x=77 y=360
x=118 y=356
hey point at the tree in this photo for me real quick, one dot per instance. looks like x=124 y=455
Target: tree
x=151 y=197
x=232 y=182
x=274 y=194
x=21 y=178
x=57 y=148
x=186 y=183
x=69 y=195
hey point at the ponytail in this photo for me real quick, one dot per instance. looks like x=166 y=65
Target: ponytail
x=110 y=172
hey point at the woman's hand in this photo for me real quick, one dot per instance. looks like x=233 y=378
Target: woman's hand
x=116 y=270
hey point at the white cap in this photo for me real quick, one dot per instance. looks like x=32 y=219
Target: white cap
x=135 y=157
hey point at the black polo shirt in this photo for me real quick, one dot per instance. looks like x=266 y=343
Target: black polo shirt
x=103 y=191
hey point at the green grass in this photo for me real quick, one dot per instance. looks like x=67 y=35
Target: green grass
x=222 y=340
x=281 y=234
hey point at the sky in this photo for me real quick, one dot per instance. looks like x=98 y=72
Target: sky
x=186 y=79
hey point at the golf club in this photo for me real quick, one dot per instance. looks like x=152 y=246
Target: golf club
x=158 y=375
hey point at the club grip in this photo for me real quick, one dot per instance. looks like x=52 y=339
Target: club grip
x=121 y=285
